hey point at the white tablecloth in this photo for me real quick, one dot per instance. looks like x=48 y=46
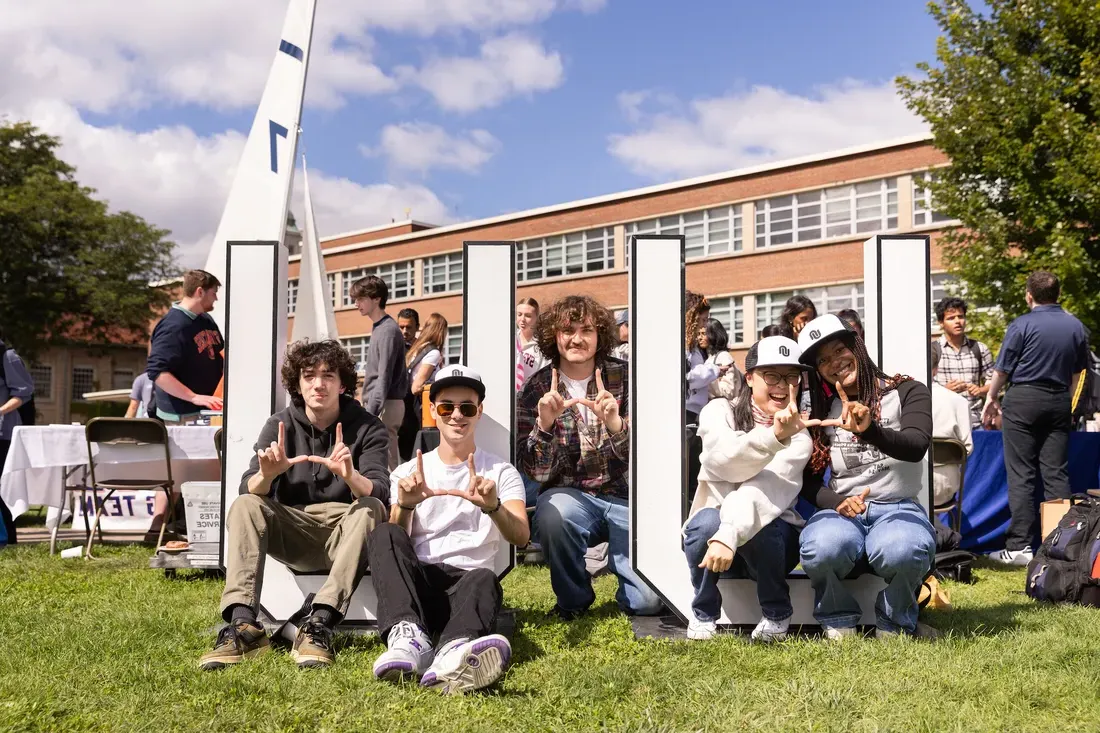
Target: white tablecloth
x=39 y=455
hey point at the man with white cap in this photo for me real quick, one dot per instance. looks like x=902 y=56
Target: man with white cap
x=742 y=521
x=433 y=564
x=875 y=430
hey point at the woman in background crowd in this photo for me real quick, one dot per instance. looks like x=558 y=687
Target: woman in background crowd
x=874 y=434
x=714 y=341
x=528 y=357
x=798 y=311
x=700 y=375
x=851 y=317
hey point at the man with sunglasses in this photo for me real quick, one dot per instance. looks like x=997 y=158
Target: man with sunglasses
x=433 y=565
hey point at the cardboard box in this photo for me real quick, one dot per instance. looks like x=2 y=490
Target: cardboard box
x=202 y=502
x=1050 y=513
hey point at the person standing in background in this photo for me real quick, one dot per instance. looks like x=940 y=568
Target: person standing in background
x=714 y=341
x=408 y=320
x=528 y=357
x=622 y=351
x=16 y=408
x=1041 y=360
x=185 y=356
x=851 y=317
x=387 y=380
x=423 y=358
x=966 y=365
x=798 y=311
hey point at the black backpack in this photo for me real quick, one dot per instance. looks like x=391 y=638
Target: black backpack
x=1066 y=569
x=27 y=410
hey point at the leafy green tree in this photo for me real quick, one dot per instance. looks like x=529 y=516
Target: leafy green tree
x=67 y=264
x=1014 y=101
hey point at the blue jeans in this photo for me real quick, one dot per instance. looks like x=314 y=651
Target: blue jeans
x=766 y=558
x=895 y=540
x=568 y=522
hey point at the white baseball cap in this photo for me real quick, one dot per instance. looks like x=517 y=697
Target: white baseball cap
x=818 y=331
x=457 y=375
x=774 y=351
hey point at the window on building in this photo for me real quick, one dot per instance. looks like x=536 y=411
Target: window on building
x=291 y=296
x=42 y=376
x=83 y=380
x=399 y=277
x=332 y=289
x=839 y=211
x=769 y=306
x=924 y=211
x=566 y=254
x=443 y=274
x=122 y=379
x=707 y=232
x=731 y=312
x=835 y=298
x=452 y=349
x=357 y=346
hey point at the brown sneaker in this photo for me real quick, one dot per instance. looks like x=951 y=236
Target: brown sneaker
x=313 y=645
x=235 y=642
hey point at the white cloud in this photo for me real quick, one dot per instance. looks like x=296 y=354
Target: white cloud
x=179 y=180
x=509 y=65
x=755 y=126
x=421 y=147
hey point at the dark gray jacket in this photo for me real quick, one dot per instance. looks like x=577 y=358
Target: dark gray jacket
x=386 y=377
x=312 y=483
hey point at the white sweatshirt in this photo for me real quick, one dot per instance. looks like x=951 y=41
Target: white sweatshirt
x=751 y=477
x=700 y=374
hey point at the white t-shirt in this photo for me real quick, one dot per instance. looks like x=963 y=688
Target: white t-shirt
x=578 y=390
x=449 y=530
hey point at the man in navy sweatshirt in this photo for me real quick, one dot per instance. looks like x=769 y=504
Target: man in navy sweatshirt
x=185 y=358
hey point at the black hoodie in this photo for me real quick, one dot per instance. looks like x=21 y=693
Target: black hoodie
x=312 y=483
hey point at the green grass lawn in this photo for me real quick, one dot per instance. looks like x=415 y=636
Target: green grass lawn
x=112 y=645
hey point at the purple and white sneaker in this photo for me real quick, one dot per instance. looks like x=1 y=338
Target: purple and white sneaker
x=410 y=653
x=462 y=666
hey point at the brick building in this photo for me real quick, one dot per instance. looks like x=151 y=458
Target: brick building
x=754 y=237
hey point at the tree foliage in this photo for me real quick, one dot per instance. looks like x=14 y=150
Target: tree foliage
x=1014 y=102
x=67 y=264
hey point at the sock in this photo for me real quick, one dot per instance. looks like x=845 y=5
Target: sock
x=327 y=615
x=238 y=613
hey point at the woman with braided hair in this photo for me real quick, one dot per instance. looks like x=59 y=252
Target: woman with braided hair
x=874 y=433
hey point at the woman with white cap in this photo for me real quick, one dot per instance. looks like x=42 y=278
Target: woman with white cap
x=755 y=447
x=875 y=430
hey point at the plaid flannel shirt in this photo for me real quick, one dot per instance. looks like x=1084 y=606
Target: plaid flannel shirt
x=963 y=365
x=575 y=453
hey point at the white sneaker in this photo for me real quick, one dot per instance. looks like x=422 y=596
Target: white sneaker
x=839 y=633
x=1018 y=558
x=410 y=653
x=701 y=630
x=768 y=630
x=462 y=666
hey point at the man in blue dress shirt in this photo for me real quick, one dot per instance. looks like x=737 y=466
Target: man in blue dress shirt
x=1042 y=357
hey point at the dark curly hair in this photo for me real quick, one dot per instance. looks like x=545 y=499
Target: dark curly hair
x=795 y=304
x=575 y=308
x=872 y=385
x=302 y=355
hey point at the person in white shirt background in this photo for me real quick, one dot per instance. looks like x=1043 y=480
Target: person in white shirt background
x=714 y=341
x=700 y=375
x=950 y=419
x=622 y=351
x=433 y=564
x=743 y=518
x=528 y=357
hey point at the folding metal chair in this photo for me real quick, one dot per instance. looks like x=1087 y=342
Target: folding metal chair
x=951 y=452
x=136 y=432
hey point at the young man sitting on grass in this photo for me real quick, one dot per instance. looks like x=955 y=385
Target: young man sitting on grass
x=315 y=489
x=433 y=565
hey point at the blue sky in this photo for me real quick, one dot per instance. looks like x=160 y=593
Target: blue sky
x=458 y=108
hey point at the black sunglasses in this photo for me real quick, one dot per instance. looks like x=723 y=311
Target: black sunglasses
x=466 y=409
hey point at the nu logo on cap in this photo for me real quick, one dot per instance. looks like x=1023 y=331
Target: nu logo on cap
x=815 y=334
x=785 y=351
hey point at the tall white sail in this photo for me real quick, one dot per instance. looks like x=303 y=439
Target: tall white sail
x=257 y=204
x=313 y=315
